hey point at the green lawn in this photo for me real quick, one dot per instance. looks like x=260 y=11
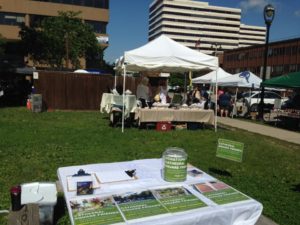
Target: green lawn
x=34 y=146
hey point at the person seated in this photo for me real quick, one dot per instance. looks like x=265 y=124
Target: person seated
x=177 y=99
x=199 y=103
x=143 y=92
x=196 y=94
x=163 y=92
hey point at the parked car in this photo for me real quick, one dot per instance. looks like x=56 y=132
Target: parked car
x=252 y=99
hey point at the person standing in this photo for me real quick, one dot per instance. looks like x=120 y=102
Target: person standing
x=196 y=94
x=225 y=103
x=163 y=92
x=143 y=92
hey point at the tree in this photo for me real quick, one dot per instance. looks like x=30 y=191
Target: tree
x=65 y=38
x=2 y=46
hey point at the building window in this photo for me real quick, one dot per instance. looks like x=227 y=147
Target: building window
x=36 y=20
x=98 y=27
x=293 y=68
x=88 y=3
x=11 y=18
x=294 y=50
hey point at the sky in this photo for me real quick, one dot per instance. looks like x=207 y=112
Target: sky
x=128 y=23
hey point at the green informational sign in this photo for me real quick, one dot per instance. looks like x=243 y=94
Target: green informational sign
x=95 y=210
x=137 y=205
x=225 y=196
x=219 y=192
x=175 y=168
x=143 y=208
x=178 y=199
x=231 y=150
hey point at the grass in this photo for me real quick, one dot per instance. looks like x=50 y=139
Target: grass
x=34 y=146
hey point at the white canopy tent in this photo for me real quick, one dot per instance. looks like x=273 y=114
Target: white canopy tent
x=244 y=79
x=211 y=77
x=164 y=55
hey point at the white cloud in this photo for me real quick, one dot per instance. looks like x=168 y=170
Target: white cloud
x=297 y=13
x=253 y=4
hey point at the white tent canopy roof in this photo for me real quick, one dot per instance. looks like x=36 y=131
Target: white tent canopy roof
x=166 y=55
x=243 y=79
x=211 y=77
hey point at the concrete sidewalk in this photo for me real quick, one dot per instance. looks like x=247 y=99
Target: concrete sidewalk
x=265 y=221
x=285 y=135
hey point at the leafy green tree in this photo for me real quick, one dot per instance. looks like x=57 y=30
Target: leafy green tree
x=177 y=79
x=60 y=40
x=2 y=46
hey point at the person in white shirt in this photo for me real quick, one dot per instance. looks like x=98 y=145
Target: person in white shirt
x=163 y=92
x=143 y=91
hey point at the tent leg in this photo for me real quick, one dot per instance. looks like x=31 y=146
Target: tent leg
x=123 y=107
x=216 y=103
x=235 y=98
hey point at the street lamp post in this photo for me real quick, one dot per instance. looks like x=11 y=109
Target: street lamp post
x=216 y=46
x=269 y=13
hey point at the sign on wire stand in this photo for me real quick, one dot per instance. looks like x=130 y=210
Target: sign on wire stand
x=231 y=150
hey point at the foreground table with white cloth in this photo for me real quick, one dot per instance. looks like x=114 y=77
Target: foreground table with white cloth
x=175 y=115
x=148 y=173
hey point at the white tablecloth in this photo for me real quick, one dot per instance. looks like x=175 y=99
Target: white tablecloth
x=148 y=172
x=108 y=100
x=176 y=115
x=105 y=104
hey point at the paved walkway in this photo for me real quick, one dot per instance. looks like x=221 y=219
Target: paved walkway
x=265 y=221
x=289 y=136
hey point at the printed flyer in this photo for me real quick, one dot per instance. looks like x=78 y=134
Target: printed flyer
x=92 y=210
x=136 y=205
x=178 y=199
x=95 y=210
x=219 y=192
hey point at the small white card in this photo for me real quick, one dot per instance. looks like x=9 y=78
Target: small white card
x=113 y=176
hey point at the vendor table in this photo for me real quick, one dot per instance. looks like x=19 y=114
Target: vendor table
x=290 y=113
x=288 y=117
x=175 y=115
x=109 y=100
x=105 y=104
x=148 y=176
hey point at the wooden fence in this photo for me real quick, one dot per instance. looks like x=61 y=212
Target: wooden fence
x=74 y=91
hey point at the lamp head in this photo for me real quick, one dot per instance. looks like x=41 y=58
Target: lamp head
x=269 y=13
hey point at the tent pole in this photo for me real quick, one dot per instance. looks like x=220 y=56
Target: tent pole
x=185 y=89
x=216 y=103
x=115 y=85
x=235 y=98
x=123 y=107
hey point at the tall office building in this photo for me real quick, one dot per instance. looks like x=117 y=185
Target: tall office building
x=199 y=25
x=31 y=12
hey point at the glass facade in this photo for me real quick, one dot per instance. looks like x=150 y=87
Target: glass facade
x=12 y=18
x=103 y=4
x=98 y=27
